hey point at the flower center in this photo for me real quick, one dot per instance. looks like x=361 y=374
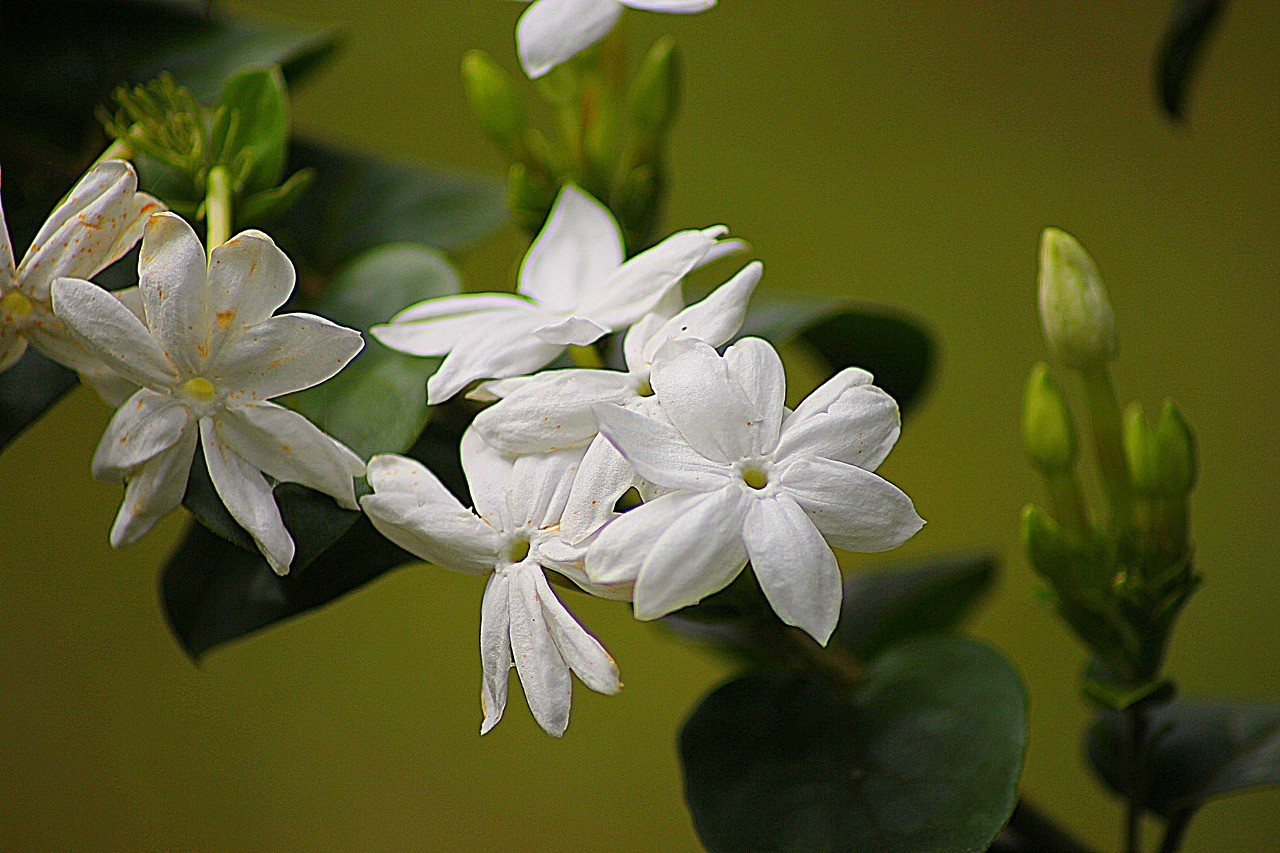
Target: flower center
x=755 y=477
x=16 y=304
x=518 y=549
x=644 y=389
x=199 y=389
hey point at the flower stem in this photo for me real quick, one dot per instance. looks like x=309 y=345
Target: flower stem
x=1104 y=417
x=217 y=208
x=1068 y=503
x=1176 y=831
x=1135 y=749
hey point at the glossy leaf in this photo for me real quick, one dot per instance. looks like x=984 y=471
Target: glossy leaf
x=378 y=403
x=217 y=587
x=883 y=608
x=254 y=123
x=1185 y=40
x=924 y=754
x=27 y=389
x=358 y=202
x=896 y=349
x=1200 y=749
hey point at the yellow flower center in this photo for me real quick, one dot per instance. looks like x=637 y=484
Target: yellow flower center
x=644 y=389
x=518 y=549
x=16 y=304
x=755 y=477
x=199 y=389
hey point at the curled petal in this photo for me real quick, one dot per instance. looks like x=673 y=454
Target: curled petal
x=571 y=331
x=858 y=427
x=495 y=649
x=436 y=326
x=543 y=672
x=390 y=472
x=796 y=569
x=706 y=404
x=144 y=427
x=581 y=651
x=716 y=319
x=853 y=508
x=679 y=6
x=173 y=281
x=658 y=452
x=248 y=497
x=446 y=535
x=111 y=333
x=603 y=477
x=551 y=32
x=504 y=347
x=155 y=490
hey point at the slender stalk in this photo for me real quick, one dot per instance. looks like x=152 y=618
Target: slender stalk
x=1068 y=503
x=1104 y=417
x=1135 y=749
x=217 y=208
x=1175 y=831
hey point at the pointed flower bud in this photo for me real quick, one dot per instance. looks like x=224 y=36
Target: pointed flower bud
x=1178 y=458
x=1047 y=548
x=1047 y=432
x=1079 y=325
x=495 y=102
x=1142 y=452
x=655 y=94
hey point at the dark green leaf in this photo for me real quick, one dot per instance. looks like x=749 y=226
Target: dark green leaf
x=1199 y=749
x=884 y=608
x=924 y=754
x=27 y=390
x=213 y=591
x=1182 y=48
x=255 y=120
x=358 y=202
x=895 y=349
x=378 y=404
x=265 y=207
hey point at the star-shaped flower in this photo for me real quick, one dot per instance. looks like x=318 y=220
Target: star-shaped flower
x=751 y=482
x=208 y=356
x=510 y=536
x=553 y=31
x=574 y=289
x=100 y=220
x=554 y=409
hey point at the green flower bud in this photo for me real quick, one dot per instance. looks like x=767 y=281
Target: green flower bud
x=1079 y=325
x=1141 y=452
x=1047 y=432
x=1047 y=547
x=495 y=102
x=1178 y=458
x=655 y=95
x=530 y=195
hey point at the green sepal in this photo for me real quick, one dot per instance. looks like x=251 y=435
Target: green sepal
x=250 y=133
x=265 y=207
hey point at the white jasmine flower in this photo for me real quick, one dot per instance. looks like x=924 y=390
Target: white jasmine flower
x=555 y=408
x=751 y=482
x=98 y=222
x=574 y=289
x=551 y=32
x=208 y=356
x=510 y=536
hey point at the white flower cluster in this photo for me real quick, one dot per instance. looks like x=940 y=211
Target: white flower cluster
x=728 y=475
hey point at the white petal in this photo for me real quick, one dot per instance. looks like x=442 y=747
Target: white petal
x=551 y=32
x=658 y=452
x=110 y=332
x=390 y=472
x=498 y=389
x=488 y=474
x=282 y=355
x=635 y=345
x=571 y=331
x=859 y=427
x=288 y=447
x=12 y=345
x=247 y=496
x=641 y=283
x=707 y=406
x=603 y=477
x=495 y=649
x=855 y=509
x=795 y=567
x=174 y=283
x=504 y=347
x=144 y=427
x=550 y=410
x=100 y=220
x=678 y=549
x=716 y=319
x=249 y=279
x=154 y=490
x=436 y=326
x=539 y=487
x=446 y=535
x=679 y=6
x=756 y=366
x=821 y=398
x=576 y=251
x=543 y=672
x=581 y=651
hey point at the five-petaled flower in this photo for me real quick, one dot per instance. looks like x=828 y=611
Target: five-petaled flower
x=510 y=536
x=99 y=221
x=553 y=31
x=751 y=482
x=208 y=355
x=574 y=289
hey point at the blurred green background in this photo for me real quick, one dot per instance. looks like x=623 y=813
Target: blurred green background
x=906 y=154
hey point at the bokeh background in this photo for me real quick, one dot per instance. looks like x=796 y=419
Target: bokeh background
x=907 y=154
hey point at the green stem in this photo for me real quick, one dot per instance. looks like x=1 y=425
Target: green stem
x=217 y=208
x=117 y=150
x=1176 y=831
x=1104 y=417
x=1135 y=741
x=1068 y=503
